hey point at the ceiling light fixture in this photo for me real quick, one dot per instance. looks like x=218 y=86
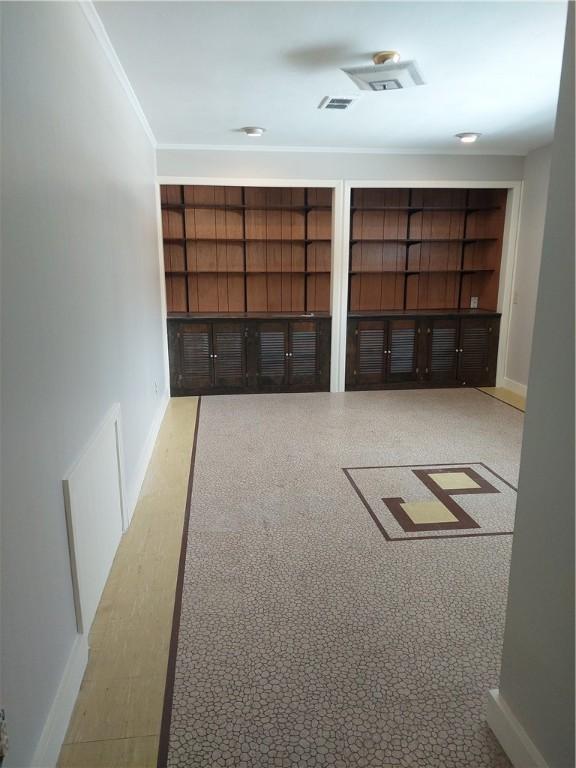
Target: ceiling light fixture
x=383 y=56
x=386 y=73
x=253 y=130
x=467 y=138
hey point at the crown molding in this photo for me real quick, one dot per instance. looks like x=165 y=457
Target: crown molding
x=165 y=147
x=101 y=36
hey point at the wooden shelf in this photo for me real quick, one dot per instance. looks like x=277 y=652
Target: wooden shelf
x=417 y=271
x=241 y=240
x=426 y=313
x=247 y=272
x=414 y=240
x=242 y=207
x=420 y=209
x=230 y=249
x=429 y=228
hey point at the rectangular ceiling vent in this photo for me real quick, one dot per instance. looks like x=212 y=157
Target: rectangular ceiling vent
x=391 y=76
x=337 y=102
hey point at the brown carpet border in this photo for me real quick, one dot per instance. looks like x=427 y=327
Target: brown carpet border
x=521 y=410
x=171 y=669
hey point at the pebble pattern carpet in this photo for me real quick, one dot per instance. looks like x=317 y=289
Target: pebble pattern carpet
x=306 y=639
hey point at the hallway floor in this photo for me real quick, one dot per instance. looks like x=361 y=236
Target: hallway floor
x=345 y=582
x=307 y=637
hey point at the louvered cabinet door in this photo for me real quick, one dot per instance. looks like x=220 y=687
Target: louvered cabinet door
x=229 y=354
x=174 y=358
x=195 y=346
x=402 y=353
x=371 y=350
x=475 y=365
x=272 y=354
x=442 y=350
x=303 y=354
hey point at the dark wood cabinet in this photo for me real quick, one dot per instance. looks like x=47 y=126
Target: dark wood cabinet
x=308 y=355
x=422 y=351
x=195 y=356
x=213 y=356
x=477 y=351
x=272 y=346
x=402 y=357
x=441 y=362
x=229 y=354
x=382 y=351
x=367 y=354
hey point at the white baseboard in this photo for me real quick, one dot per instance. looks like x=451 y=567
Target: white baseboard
x=512 y=737
x=515 y=386
x=145 y=455
x=56 y=725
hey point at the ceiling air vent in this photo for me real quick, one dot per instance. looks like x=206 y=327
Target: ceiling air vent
x=391 y=76
x=333 y=102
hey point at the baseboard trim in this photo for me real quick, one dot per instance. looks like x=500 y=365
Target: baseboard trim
x=56 y=724
x=145 y=456
x=515 y=386
x=512 y=737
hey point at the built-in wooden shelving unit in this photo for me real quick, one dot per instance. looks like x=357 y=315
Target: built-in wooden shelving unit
x=247 y=249
x=420 y=249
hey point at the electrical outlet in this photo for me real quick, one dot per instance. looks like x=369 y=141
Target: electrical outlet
x=515 y=298
x=155 y=387
x=474 y=302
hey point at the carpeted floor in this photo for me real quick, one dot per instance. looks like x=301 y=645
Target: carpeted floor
x=334 y=618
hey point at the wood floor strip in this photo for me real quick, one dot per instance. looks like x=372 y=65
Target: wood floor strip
x=171 y=671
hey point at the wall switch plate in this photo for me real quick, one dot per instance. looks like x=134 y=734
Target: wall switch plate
x=474 y=302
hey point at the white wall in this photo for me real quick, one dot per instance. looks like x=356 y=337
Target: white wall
x=337 y=165
x=537 y=677
x=532 y=215
x=82 y=326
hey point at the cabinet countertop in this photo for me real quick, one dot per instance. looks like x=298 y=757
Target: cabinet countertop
x=250 y=316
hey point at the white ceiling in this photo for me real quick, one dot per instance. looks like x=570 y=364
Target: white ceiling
x=202 y=70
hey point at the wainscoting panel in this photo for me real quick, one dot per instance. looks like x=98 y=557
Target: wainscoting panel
x=94 y=501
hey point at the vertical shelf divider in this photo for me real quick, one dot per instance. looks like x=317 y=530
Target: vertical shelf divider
x=244 y=247
x=407 y=251
x=306 y=213
x=463 y=248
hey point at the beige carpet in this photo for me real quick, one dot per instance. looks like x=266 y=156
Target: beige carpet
x=318 y=626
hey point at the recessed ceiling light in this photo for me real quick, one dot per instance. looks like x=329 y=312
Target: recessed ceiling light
x=467 y=138
x=253 y=130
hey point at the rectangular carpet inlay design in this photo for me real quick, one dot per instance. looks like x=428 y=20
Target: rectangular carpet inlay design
x=435 y=501
x=303 y=637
